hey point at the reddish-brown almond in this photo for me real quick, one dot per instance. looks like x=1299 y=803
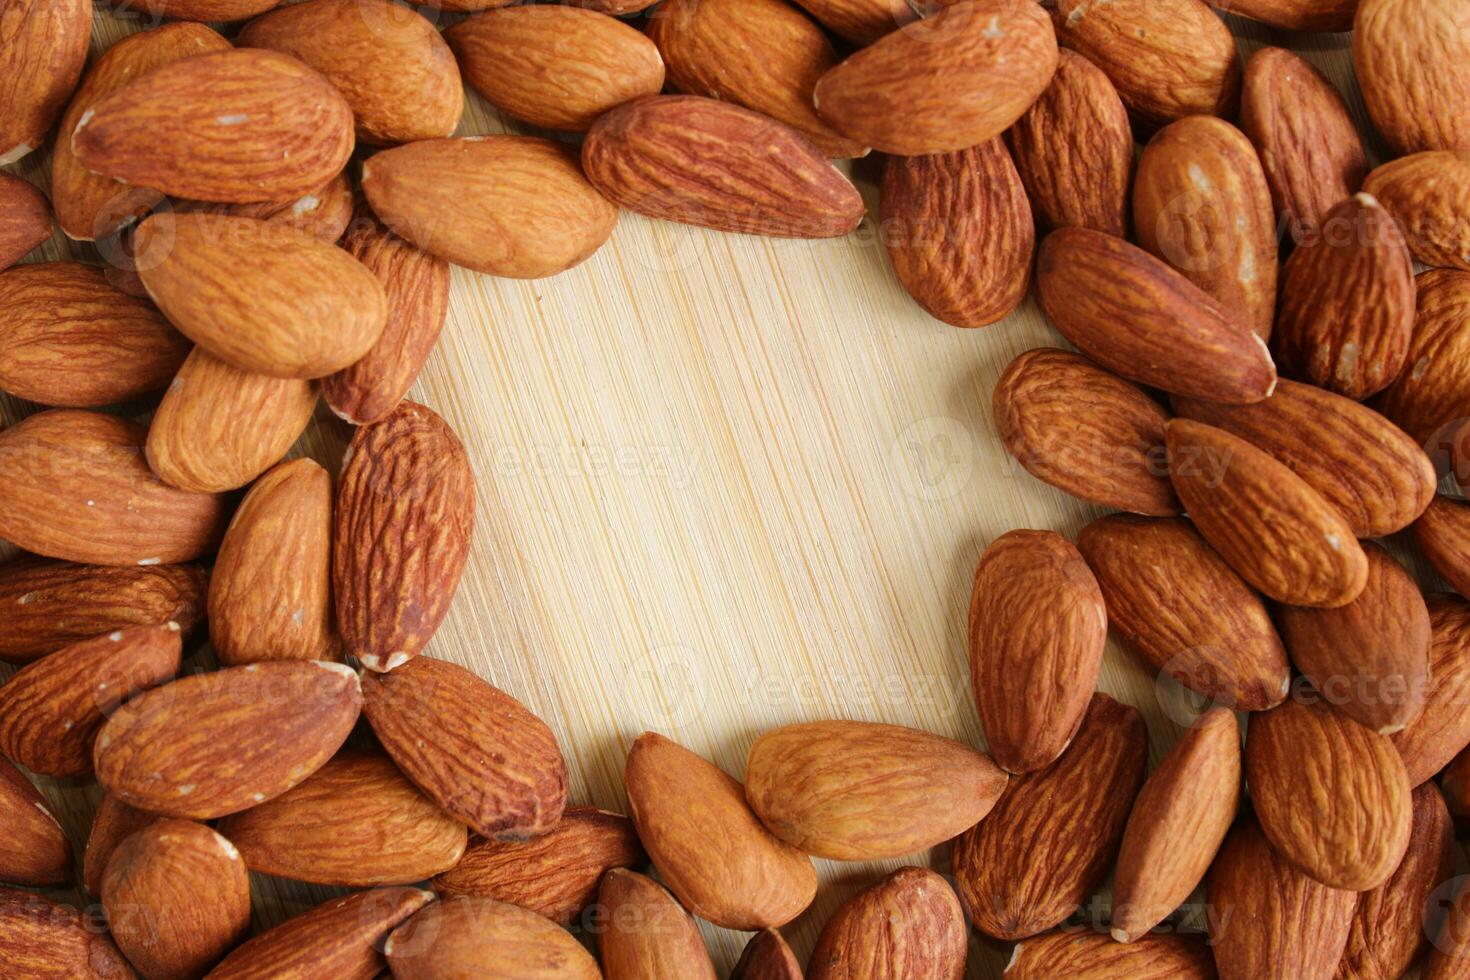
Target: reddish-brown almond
x=908 y=924
x=1177 y=825
x=74 y=485
x=860 y=21
x=512 y=206
x=270 y=594
x=213 y=744
x=487 y=940
x=1434 y=387
x=177 y=898
x=950 y=81
x=34 y=850
x=250 y=125
x=54 y=942
x=1451 y=953
x=1037 y=629
x=1267 y=522
x=767 y=957
x=648 y=936
x=1455 y=784
x=1425 y=193
x=113 y=823
x=959 y=232
x=405 y=510
x=1443 y=537
x=355 y=822
x=679 y=803
x=1137 y=317
x=25 y=219
x=42 y=57
x=1328 y=16
x=1413 y=65
x=1442 y=729
x=212 y=11
x=324 y=213
x=1095 y=956
x=1052 y=837
x=751 y=174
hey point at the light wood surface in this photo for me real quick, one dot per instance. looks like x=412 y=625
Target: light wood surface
x=725 y=483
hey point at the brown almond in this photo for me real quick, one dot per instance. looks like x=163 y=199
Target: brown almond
x=1413 y=65
x=908 y=924
x=648 y=936
x=1443 y=537
x=1327 y=16
x=767 y=957
x=113 y=823
x=860 y=22
x=46 y=939
x=34 y=850
x=25 y=219
x=40 y=62
x=1450 y=954
x=1442 y=729
x=213 y=11
x=1424 y=193
x=1455 y=784
x=487 y=940
x=323 y=214
x=1434 y=387
x=1094 y=955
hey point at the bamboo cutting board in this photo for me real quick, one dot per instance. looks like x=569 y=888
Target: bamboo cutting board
x=725 y=483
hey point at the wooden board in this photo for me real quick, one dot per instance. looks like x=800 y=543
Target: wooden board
x=726 y=483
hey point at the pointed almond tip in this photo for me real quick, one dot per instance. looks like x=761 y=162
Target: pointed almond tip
x=1121 y=936
x=338 y=668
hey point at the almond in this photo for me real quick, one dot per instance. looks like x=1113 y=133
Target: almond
x=1137 y=317
x=1425 y=193
x=34 y=850
x=1413 y=65
x=959 y=232
x=45 y=939
x=1085 y=431
x=213 y=744
x=177 y=898
x=1051 y=839
x=1434 y=387
x=1443 y=537
x=860 y=21
x=1442 y=729
x=945 y=83
x=234 y=126
x=270 y=595
x=485 y=939
x=74 y=485
x=323 y=213
x=509 y=206
x=1201 y=203
x=1178 y=823
x=1074 y=150
x=40 y=62
x=73 y=340
x=204 y=10
x=1451 y=953
x=679 y=803
x=648 y=936
x=355 y=822
x=259 y=295
x=1156 y=956
x=556 y=67
x=908 y=924
x=1267 y=522
x=25 y=219
x=860 y=791
x=752 y=175
x=1454 y=783
x=1176 y=603
x=405 y=510
x=1037 y=629
x=113 y=823
x=767 y=957
x=1328 y=16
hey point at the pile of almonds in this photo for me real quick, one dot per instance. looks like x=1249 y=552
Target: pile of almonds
x=253 y=267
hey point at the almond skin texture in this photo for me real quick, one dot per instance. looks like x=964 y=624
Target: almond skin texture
x=1074 y=150
x=1425 y=193
x=259 y=295
x=679 y=803
x=959 y=232
x=1267 y=919
x=648 y=936
x=1137 y=317
x=555 y=874
x=1434 y=387
x=339 y=938
x=910 y=924
x=556 y=67
x=1052 y=837
x=1328 y=16
x=1264 y=520
x=859 y=791
x=1084 y=430
x=1200 y=203
x=1413 y=64
x=52 y=709
x=1370 y=658
x=767 y=957
x=204 y=10
x=270 y=593
x=177 y=898
x=40 y=62
x=405 y=511
x=488 y=940
x=46 y=605
x=1037 y=629
x=1308 y=144
x=1443 y=537
x=860 y=22
x=323 y=213
x=1451 y=953
x=1176 y=603
x=510 y=206
x=390 y=64
x=256 y=126
x=74 y=341
x=114 y=823
x=1178 y=823
x=25 y=219
x=704 y=162
x=48 y=941
x=1442 y=729
x=213 y=744
x=74 y=485
x=489 y=763
x=354 y=822
x=951 y=81
x=1168 y=58
x=1455 y=784
x=1368 y=469
x=34 y=850
x=1094 y=956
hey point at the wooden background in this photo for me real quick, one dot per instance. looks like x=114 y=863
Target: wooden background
x=725 y=483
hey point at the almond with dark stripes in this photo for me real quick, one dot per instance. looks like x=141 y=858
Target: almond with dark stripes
x=40 y=62
x=488 y=940
x=1434 y=388
x=860 y=21
x=113 y=823
x=767 y=957
x=648 y=935
x=1412 y=60
x=1155 y=956
x=1442 y=730
x=25 y=219
x=1424 y=192
x=34 y=850
x=1443 y=536
x=47 y=939
x=910 y=923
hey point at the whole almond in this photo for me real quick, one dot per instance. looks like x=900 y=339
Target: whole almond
x=42 y=57
x=213 y=744
x=270 y=593
x=253 y=126
x=323 y=213
x=355 y=822
x=487 y=940
x=1442 y=729
x=1137 y=317
x=679 y=802
x=767 y=957
x=1424 y=193
x=948 y=82
x=1443 y=537
x=1413 y=65
x=1450 y=954
x=1037 y=629
x=648 y=936
x=34 y=850
x=1434 y=387
x=45 y=939
x=556 y=67
x=1328 y=16
x=74 y=485
x=212 y=11
x=510 y=206
x=860 y=21
x=1055 y=832
x=908 y=924
x=1178 y=823
x=861 y=791
x=113 y=823
x=405 y=510
x=1095 y=956
x=25 y=219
